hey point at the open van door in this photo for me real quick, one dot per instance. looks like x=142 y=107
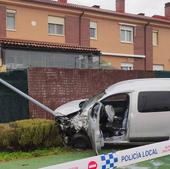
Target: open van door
x=94 y=132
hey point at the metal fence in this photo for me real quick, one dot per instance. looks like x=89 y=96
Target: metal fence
x=12 y=106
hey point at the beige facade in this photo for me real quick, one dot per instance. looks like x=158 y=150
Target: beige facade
x=161 y=52
x=108 y=37
x=116 y=62
x=32 y=24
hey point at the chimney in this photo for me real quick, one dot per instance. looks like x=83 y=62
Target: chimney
x=62 y=1
x=120 y=6
x=167 y=10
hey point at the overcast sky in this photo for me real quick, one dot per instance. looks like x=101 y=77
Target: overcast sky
x=149 y=7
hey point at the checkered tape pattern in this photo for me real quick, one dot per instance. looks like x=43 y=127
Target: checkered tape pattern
x=109 y=161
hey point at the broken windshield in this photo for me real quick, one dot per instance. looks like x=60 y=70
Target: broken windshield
x=92 y=100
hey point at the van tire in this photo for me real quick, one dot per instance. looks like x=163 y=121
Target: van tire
x=80 y=141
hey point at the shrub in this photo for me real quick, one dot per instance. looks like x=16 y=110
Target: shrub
x=7 y=136
x=29 y=134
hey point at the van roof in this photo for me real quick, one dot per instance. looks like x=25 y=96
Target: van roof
x=138 y=84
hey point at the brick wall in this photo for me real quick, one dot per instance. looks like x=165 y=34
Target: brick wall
x=139 y=48
x=72 y=29
x=2 y=21
x=77 y=30
x=53 y=86
x=85 y=32
x=143 y=46
x=149 y=48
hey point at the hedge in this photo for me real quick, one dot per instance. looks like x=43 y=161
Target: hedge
x=29 y=134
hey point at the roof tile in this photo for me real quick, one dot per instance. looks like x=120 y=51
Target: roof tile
x=46 y=45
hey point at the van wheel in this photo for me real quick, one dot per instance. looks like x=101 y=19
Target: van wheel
x=80 y=141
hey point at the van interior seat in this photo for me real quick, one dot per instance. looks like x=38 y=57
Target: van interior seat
x=110 y=113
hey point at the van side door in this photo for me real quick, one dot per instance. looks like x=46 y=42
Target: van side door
x=150 y=116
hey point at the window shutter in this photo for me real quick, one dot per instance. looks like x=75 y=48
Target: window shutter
x=93 y=25
x=10 y=11
x=155 y=38
x=56 y=20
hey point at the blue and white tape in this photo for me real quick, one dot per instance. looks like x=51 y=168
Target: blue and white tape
x=108 y=160
x=119 y=159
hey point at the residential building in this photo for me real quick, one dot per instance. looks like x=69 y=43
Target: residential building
x=126 y=41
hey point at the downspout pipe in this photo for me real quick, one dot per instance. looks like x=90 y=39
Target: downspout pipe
x=80 y=21
x=2 y=55
x=145 y=42
x=100 y=55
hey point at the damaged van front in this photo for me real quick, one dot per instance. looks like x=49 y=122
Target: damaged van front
x=70 y=107
x=72 y=120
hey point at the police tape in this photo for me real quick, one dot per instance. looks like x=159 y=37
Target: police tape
x=120 y=158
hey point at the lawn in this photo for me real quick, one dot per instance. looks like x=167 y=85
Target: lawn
x=47 y=157
x=40 y=158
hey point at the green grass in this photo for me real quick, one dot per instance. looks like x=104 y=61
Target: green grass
x=8 y=156
x=40 y=158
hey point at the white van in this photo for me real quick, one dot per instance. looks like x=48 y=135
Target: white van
x=133 y=111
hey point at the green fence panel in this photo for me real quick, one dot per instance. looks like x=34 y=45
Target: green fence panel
x=162 y=74
x=13 y=106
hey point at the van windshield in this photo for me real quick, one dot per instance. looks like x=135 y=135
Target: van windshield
x=92 y=100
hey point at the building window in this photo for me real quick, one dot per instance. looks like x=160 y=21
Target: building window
x=155 y=38
x=126 y=34
x=55 y=25
x=10 y=20
x=126 y=66
x=93 y=30
x=158 y=67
